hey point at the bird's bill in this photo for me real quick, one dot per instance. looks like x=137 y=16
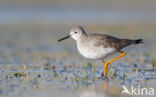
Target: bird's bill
x=64 y=38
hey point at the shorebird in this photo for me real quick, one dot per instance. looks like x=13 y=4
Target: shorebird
x=99 y=46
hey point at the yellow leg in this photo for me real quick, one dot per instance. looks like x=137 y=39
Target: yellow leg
x=108 y=62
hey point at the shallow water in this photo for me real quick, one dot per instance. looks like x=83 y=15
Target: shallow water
x=50 y=72
x=34 y=64
x=47 y=68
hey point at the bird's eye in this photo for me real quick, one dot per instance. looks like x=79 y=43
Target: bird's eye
x=75 y=32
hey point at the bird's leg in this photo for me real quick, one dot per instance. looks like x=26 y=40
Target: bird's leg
x=105 y=70
x=104 y=67
x=108 y=62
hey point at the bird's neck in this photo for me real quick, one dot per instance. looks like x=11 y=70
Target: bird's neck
x=82 y=38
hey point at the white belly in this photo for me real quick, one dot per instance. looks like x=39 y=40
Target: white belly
x=95 y=52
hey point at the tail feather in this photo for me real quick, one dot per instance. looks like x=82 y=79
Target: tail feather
x=138 y=41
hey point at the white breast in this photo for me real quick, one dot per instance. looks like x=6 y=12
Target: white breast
x=93 y=52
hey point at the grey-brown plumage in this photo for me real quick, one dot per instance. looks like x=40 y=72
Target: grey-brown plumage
x=110 y=41
x=97 y=46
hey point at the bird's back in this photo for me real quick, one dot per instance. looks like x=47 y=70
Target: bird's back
x=109 y=41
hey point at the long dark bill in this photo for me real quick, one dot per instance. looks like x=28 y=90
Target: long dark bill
x=63 y=38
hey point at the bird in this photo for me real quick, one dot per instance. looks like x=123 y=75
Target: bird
x=99 y=46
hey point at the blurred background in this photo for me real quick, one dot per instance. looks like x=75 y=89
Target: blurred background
x=29 y=30
x=38 y=22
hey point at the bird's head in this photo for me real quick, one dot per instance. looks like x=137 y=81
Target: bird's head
x=75 y=33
